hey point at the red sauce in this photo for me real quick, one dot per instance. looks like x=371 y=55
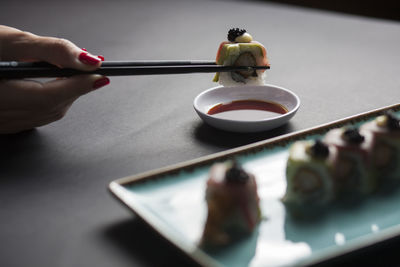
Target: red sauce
x=248 y=105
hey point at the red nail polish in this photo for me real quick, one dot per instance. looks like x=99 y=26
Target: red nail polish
x=101 y=82
x=84 y=49
x=88 y=59
x=101 y=57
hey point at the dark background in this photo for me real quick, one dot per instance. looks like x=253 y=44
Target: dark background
x=55 y=210
x=386 y=9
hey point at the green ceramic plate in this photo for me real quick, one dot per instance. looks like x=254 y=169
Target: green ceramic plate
x=171 y=201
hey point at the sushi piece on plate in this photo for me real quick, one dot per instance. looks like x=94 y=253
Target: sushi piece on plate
x=241 y=50
x=351 y=172
x=233 y=204
x=383 y=133
x=308 y=174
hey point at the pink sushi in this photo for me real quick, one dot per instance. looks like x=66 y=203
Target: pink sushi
x=233 y=204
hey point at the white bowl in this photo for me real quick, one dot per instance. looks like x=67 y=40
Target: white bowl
x=270 y=93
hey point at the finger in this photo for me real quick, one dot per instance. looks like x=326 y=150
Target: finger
x=33 y=95
x=18 y=124
x=20 y=94
x=46 y=118
x=75 y=86
x=25 y=46
x=32 y=112
x=15 y=121
x=23 y=124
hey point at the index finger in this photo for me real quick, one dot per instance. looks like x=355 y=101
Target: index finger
x=25 y=46
x=75 y=86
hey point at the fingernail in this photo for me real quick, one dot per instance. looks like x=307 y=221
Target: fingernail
x=101 y=82
x=101 y=57
x=88 y=59
x=84 y=49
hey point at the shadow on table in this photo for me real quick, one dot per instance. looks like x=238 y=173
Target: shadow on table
x=21 y=152
x=8 y=140
x=226 y=140
x=138 y=241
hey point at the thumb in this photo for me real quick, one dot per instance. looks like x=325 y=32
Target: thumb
x=75 y=86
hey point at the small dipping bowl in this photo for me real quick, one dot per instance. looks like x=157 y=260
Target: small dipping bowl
x=252 y=122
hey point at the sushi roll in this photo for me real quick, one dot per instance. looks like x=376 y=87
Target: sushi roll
x=308 y=174
x=383 y=134
x=233 y=204
x=241 y=50
x=350 y=163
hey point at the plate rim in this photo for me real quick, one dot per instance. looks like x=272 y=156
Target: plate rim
x=116 y=188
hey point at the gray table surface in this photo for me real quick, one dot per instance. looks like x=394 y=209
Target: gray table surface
x=54 y=206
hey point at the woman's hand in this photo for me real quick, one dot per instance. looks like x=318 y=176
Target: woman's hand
x=27 y=104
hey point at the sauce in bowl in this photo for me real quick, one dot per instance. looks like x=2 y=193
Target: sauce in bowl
x=247 y=110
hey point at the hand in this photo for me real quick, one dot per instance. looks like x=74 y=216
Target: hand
x=27 y=104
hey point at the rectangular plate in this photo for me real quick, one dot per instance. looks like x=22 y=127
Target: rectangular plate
x=172 y=201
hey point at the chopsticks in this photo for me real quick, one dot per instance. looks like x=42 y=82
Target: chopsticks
x=13 y=69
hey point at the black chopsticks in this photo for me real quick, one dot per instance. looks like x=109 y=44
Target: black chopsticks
x=13 y=69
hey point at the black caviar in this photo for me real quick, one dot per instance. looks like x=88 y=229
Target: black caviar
x=235 y=32
x=352 y=135
x=236 y=174
x=319 y=149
